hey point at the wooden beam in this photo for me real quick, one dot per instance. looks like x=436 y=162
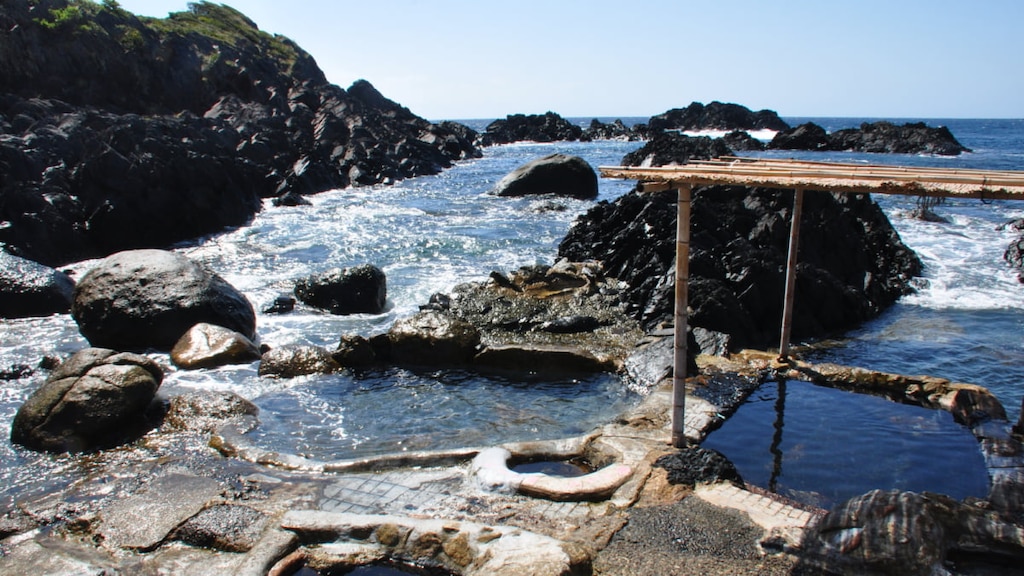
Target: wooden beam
x=681 y=322
x=791 y=262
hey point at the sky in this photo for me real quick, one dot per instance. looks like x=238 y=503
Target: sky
x=466 y=59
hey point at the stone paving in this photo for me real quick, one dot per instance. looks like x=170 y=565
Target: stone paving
x=442 y=488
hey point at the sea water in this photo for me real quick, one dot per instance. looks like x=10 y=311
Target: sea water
x=432 y=233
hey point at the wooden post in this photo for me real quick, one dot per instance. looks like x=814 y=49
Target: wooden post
x=680 y=320
x=794 y=244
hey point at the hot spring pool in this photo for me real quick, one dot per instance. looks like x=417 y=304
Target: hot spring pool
x=822 y=446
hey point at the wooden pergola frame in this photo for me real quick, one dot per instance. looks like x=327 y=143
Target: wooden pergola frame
x=798 y=176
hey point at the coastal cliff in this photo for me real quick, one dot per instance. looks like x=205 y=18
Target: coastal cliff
x=118 y=131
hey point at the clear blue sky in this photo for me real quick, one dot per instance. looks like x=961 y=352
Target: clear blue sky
x=461 y=59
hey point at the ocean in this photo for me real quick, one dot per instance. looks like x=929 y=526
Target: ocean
x=429 y=234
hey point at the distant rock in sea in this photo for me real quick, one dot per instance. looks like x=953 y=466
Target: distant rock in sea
x=879 y=137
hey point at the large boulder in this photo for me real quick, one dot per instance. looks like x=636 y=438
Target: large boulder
x=357 y=290
x=95 y=399
x=141 y=299
x=559 y=174
x=31 y=289
x=207 y=411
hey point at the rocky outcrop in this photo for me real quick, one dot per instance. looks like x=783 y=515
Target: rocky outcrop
x=31 y=289
x=432 y=338
x=145 y=132
x=672 y=148
x=716 y=116
x=357 y=290
x=892 y=532
x=547 y=127
x=142 y=299
x=879 y=137
x=558 y=174
x=207 y=346
x=807 y=136
x=852 y=262
x=616 y=130
x=96 y=399
x=742 y=140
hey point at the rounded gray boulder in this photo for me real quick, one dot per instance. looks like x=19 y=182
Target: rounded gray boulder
x=95 y=399
x=559 y=174
x=147 y=299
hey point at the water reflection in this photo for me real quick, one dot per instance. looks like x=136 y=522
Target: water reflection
x=822 y=446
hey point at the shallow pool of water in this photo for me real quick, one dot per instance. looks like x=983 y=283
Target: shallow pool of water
x=822 y=446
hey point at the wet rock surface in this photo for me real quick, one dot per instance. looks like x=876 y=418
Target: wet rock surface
x=297 y=360
x=96 y=399
x=140 y=299
x=206 y=346
x=31 y=289
x=356 y=290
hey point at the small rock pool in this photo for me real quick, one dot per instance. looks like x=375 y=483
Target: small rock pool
x=821 y=446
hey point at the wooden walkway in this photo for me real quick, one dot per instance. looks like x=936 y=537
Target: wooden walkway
x=797 y=176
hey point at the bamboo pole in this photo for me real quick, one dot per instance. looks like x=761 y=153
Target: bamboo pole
x=794 y=246
x=680 y=320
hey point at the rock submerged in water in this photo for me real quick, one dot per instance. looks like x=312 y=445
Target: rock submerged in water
x=31 y=289
x=558 y=174
x=297 y=360
x=147 y=299
x=96 y=399
x=357 y=290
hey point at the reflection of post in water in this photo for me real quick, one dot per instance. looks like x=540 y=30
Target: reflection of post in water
x=780 y=409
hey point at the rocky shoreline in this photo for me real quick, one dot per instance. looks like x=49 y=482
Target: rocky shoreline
x=184 y=136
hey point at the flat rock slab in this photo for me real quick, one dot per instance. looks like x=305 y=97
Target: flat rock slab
x=143 y=520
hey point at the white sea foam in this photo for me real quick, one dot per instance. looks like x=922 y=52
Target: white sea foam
x=764 y=135
x=963 y=260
